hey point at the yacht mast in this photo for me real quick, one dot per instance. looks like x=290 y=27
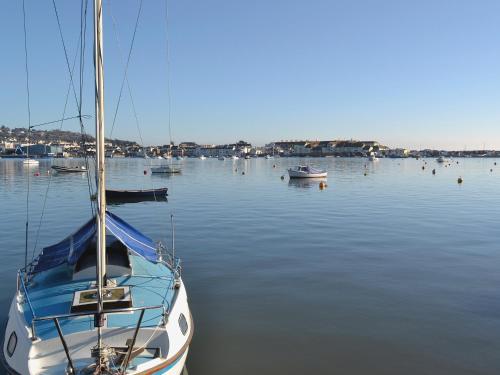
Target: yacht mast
x=101 y=188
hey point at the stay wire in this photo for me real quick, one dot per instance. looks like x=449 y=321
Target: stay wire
x=50 y=176
x=127 y=81
x=29 y=130
x=83 y=18
x=126 y=68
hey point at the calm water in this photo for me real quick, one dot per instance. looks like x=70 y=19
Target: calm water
x=395 y=272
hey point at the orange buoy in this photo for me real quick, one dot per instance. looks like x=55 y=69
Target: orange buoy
x=322 y=185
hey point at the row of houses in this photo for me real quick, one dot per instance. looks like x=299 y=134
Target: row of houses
x=327 y=148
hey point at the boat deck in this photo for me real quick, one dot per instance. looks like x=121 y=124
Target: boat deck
x=51 y=293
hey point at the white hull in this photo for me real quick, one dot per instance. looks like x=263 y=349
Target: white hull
x=30 y=162
x=48 y=357
x=299 y=174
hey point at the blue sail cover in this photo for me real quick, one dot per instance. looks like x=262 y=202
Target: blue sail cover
x=72 y=247
x=131 y=237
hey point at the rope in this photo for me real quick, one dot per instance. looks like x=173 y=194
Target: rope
x=29 y=130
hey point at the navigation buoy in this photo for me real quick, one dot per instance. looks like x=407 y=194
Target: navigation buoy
x=274 y=165
x=433 y=171
x=365 y=174
x=460 y=180
x=145 y=172
x=491 y=170
x=242 y=173
x=423 y=167
x=236 y=170
x=495 y=163
x=282 y=177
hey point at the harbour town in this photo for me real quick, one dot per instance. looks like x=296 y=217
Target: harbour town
x=19 y=142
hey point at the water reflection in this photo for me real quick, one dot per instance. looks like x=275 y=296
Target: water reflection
x=306 y=183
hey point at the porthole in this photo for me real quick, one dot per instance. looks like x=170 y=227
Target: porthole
x=183 y=325
x=11 y=344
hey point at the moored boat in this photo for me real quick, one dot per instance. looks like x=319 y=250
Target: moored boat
x=63 y=169
x=166 y=169
x=305 y=171
x=146 y=193
x=31 y=162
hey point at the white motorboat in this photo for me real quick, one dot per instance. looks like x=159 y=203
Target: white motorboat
x=203 y=157
x=247 y=157
x=30 y=162
x=372 y=157
x=269 y=157
x=235 y=157
x=305 y=171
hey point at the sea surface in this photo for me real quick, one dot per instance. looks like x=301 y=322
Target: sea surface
x=388 y=270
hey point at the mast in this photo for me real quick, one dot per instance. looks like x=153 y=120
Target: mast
x=100 y=175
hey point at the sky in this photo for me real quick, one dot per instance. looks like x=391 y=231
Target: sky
x=416 y=74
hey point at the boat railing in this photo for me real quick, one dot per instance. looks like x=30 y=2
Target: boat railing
x=22 y=285
x=23 y=291
x=55 y=319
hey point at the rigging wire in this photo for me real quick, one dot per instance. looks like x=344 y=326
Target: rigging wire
x=29 y=128
x=50 y=122
x=169 y=96
x=126 y=68
x=127 y=81
x=83 y=29
x=50 y=176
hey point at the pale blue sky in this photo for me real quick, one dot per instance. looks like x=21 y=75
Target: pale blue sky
x=406 y=73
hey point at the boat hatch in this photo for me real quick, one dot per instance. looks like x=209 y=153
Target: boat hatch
x=113 y=298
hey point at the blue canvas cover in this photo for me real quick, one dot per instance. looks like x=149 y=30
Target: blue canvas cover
x=72 y=247
x=131 y=237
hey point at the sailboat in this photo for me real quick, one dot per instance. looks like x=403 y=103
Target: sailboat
x=105 y=300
